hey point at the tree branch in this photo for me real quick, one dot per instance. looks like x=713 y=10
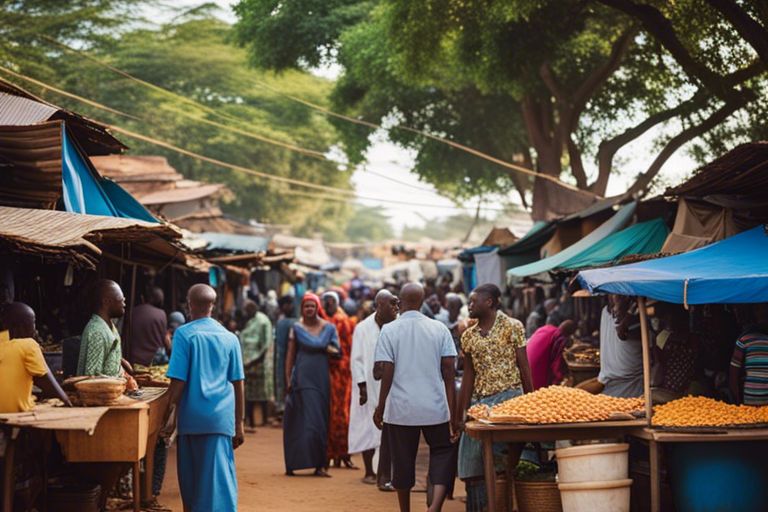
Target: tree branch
x=748 y=28
x=545 y=71
x=720 y=115
x=656 y=24
x=577 y=165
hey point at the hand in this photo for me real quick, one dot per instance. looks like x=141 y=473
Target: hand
x=130 y=383
x=456 y=429
x=239 y=438
x=363 y=394
x=378 y=417
x=170 y=426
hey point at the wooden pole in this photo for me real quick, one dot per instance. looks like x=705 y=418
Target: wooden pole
x=646 y=358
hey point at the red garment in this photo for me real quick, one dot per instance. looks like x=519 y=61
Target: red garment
x=341 y=388
x=545 y=356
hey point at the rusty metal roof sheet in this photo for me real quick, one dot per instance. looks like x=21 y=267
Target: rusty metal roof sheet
x=180 y=195
x=20 y=111
x=74 y=237
x=743 y=171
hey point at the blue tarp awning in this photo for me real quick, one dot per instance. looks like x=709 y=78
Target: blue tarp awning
x=237 y=243
x=642 y=238
x=84 y=191
x=615 y=223
x=734 y=270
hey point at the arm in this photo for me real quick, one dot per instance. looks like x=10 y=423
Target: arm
x=358 y=365
x=467 y=388
x=448 y=370
x=735 y=372
x=175 y=390
x=378 y=370
x=388 y=373
x=290 y=359
x=50 y=386
x=239 y=438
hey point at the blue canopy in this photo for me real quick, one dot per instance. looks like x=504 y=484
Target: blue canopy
x=734 y=270
x=86 y=192
x=237 y=243
x=641 y=238
x=615 y=223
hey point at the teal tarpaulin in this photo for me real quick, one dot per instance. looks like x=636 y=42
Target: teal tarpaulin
x=612 y=225
x=86 y=192
x=643 y=238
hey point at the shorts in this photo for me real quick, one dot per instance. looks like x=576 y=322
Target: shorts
x=404 y=445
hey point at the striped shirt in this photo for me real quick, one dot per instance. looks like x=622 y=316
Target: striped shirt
x=751 y=354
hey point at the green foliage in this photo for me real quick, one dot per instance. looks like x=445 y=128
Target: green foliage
x=193 y=58
x=368 y=224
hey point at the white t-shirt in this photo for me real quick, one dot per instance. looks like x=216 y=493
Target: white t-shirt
x=416 y=345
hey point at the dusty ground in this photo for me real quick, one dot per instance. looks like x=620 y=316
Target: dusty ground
x=265 y=488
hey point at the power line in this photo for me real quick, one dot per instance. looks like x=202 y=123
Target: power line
x=214 y=161
x=319 y=108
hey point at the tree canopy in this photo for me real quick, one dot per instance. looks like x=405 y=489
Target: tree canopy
x=558 y=85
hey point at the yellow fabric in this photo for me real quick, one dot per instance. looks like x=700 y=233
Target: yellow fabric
x=20 y=361
x=493 y=356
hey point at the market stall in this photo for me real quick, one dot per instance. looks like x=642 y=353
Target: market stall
x=732 y=271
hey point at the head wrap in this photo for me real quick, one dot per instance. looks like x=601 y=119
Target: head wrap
x=333 y=294
x=176 y=318
x=311 y=297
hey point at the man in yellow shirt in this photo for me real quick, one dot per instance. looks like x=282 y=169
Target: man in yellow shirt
x=21 y=360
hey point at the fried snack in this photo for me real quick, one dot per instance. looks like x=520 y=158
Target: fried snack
x=560 y=404
x=699 y=411
x=479 y=411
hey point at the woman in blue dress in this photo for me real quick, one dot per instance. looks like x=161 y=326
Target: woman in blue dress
x=311 y=342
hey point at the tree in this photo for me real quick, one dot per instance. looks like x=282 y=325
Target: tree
x=572 y=76
x=192 y=57
x=368 y=224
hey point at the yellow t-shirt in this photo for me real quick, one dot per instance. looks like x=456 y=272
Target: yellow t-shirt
x=20 y=361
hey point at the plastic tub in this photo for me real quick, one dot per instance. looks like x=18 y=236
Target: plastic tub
x=592 y=462
x=609 y=496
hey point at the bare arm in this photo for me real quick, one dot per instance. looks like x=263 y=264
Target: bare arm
x=175 y=390
x=290 y=359
x=388 y=373
x=239 y=438
x=448 y=370
x=467 y=388
x=378 y=370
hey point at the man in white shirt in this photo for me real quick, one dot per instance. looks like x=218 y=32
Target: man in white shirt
x=364 y=437
x=417 y=356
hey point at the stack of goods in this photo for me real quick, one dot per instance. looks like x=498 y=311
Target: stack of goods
x=699 y=411
x=99 y=391
x=154 y=376
x=583 y=354
x=558 y=404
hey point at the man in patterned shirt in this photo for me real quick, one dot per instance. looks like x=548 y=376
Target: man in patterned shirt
x=491 y=376
x=748 y=377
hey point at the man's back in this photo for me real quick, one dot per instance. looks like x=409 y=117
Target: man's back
x=207 y=357
x=20 y=361
x=148 y=328
x=416 y=344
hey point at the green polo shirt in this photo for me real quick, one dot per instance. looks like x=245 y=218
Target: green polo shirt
x=100 y=351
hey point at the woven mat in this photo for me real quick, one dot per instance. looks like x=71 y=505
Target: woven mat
x=45 y=416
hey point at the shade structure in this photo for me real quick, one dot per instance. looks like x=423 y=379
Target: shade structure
x=734 y=270
x=615 y=223
x=641 y=238
x=236 y=243
x=527 y=248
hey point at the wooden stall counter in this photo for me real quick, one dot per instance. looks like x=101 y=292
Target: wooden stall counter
x=517 y=434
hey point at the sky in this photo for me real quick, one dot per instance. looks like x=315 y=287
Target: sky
x=386 y=173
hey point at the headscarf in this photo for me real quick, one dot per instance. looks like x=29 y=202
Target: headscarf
x=176 y=319
x=335 y=295
x=311 y=297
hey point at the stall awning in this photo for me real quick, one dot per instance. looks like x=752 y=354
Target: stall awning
x=643 y=238
x=615 y=223
x=527 y=248
x=236 y=243
x=734 y=270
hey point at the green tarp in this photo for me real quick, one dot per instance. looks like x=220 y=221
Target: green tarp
x=643 y=238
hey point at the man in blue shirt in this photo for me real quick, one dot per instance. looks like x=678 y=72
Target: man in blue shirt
x=207 y=405
x=417 y=356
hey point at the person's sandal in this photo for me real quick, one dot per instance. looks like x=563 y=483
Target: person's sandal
x=370 y=479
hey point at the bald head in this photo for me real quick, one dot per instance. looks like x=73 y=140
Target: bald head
x=19 y=319
x=411 y=297
x=201 y=298
x=387 y=307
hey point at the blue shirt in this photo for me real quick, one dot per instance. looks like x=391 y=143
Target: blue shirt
x=416 y=345
x=207 y=358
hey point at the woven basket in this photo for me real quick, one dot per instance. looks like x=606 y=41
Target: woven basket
x=100 y=391
x=538 y=497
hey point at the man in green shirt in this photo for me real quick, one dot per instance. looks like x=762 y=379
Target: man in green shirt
x=256 y=341
x=100 y=350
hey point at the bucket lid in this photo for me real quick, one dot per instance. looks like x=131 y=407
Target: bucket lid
x=591 y=449
x=591 y=486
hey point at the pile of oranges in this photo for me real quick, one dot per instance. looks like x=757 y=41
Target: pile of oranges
x=559 y=404
x=699 y=411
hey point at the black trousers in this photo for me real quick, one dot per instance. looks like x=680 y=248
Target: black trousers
x=384 y=471
x=404 y=445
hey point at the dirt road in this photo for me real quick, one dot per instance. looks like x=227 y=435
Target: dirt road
x=265 y=488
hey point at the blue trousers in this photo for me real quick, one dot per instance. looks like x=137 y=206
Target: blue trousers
x=206 y=468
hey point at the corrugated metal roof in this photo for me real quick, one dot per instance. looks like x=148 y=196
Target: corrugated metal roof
x=72 y=236
x=180 y=195
x=20 y=111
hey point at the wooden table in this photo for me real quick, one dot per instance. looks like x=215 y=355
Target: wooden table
x=157 y=400
x=120 y=437
x=516 y=435
x=655 y=437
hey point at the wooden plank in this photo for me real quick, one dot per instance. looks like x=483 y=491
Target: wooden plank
x=646 y=342
x=56 y=418
x=653 y=447
x=121 y=436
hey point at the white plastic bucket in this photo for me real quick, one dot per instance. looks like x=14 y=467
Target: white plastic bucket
x=610 y=496
x=593 y=462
